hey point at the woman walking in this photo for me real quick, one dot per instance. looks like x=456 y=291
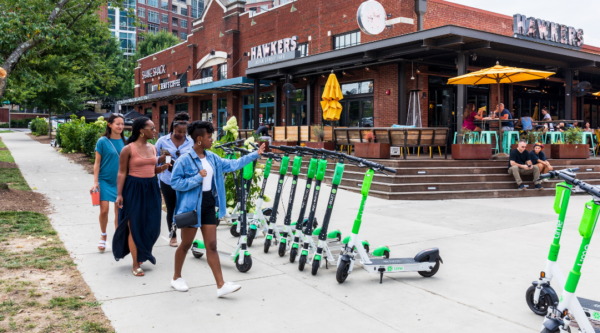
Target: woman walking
x=198 y=179
x=106 y=167
x=138 y=197
x=176 y=144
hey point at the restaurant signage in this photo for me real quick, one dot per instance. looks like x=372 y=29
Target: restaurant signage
x=166 y=85
x=201 y=81
x=133 y=100
x=547 y=32
x=152 y=72
x=371 y=17
x=280 y=50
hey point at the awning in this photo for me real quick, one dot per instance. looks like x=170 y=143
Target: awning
x=171 y=94
x=238 y=83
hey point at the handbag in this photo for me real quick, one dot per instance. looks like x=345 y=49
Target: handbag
x=187 y=219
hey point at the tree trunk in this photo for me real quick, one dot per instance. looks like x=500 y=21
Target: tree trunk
x=50 y=123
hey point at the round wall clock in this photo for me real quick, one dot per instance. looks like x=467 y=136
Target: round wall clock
x=371 y=17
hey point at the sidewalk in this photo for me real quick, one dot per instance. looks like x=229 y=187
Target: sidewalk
x=492 y=250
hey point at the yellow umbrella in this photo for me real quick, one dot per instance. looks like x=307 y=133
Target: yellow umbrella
x=332 y=95
x=596 y=94
x=496 y=75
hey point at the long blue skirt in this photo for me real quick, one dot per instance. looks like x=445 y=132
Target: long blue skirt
x=141 y=208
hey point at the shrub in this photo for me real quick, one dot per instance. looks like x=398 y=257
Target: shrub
x=39 y=126
x=70 y=134
x=4 y=125
x=90 y=134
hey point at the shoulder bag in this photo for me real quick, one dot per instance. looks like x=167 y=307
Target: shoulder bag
x=187 y=219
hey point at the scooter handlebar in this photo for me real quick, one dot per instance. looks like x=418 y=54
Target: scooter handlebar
x=229 y=144
x=568 y=175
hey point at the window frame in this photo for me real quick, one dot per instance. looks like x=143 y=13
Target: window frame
x=303 y=54
x=174 y=9
x=164 y=18
x=151 y=13
x=164 y=5
x=181 y=23
x=222 y=74
x=338 y=38
x=154 y=3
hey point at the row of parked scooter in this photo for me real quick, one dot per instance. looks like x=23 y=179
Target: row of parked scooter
x=543 y=300
x=315 y=245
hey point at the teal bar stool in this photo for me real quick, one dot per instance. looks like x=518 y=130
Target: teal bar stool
x=584 y=136
x=486 y=137
x=555 y=136
x=474 y=137
x=509 y=138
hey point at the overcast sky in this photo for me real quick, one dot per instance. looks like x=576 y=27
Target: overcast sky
x=581 y=14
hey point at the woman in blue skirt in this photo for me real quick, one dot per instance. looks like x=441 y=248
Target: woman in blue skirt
x=106 y=167
x=138 y=197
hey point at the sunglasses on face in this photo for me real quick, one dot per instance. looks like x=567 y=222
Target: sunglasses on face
x=151 y=128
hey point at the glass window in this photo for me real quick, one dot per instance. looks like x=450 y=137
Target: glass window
x=206 y=72
x=164 y=18
x=142 y=1
x=152 y=28
x=149 y=112
x=147 y=89
x=183 y=107
x=127 y=42
x=174 y=9
x=346 y=40
x=222 y=103
x=197 y=8
x=163 y=28
x=111 y=18
x=222 y=73
x=140 y=37
x=153 y=17
x=184 y=23
x=175 y=21
x=183 y=35
x=365 y=87
x=176 y=33
x=164 y=5
x=303 y=48
x=184 y=11
x=153 y=3
x=142 y=12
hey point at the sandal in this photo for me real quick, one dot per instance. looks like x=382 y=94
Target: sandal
x=102 y=243
x=173 y=242
x=138 y=272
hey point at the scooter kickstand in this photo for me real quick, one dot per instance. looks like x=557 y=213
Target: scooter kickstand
x=381 y=270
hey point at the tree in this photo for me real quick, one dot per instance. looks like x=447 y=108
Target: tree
x=153 y=43
x=32 y=30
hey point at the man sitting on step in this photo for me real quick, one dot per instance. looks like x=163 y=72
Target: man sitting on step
x=519 y=163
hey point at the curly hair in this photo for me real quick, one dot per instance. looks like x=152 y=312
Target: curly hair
x=138 y=124
x=181 y=118
x=198 y=128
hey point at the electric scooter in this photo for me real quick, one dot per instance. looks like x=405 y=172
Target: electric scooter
x=426 y=262
x=273 y=233
x=240 y=255
x=259 y=220
x=569 y=307
x=230 y=219
x=541 y=295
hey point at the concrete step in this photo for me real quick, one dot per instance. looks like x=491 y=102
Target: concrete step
x=445 y=195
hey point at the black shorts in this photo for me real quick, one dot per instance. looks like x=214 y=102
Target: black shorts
x=208 y=211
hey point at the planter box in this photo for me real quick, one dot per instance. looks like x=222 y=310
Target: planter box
x=320 y=145
x=372 y=150
x=571 y=151
x=283 y=143
x=547 y=149
x=472 y=152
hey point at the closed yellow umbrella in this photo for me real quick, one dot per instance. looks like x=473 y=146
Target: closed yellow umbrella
x=596 y=94
x=332 y=109
x=496 y=75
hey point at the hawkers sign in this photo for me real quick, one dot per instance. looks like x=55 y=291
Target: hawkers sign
x=166 y=85
x=280 y=50
x=548 y=32
x=153 y=72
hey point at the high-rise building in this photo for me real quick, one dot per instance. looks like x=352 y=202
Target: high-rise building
x=175 y=16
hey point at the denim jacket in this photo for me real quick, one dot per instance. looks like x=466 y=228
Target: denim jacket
x=187 y=181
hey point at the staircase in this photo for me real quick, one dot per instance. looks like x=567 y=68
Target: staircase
x=439 y=179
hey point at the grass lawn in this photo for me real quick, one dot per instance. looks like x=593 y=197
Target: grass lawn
x=6 y=131
x=2 y=145
x=5 y=156
x=14 y=179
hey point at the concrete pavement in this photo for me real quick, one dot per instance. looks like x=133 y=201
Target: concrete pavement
x=492 y=250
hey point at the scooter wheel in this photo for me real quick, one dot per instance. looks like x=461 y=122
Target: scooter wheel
x=342 y=271
x=293 y=254
x=267 y=245
x=233 y=231
x=315 y=267
x=301 y=263
x=251 y=236
x=541 y=308
x=281 y=249
x=197 y=255
x=245 y=266
x=433 y=270
x=545 y=330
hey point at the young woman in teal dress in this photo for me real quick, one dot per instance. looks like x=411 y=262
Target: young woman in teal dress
x=106 y=168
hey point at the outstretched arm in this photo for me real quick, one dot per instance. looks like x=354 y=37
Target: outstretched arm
x=233 y=165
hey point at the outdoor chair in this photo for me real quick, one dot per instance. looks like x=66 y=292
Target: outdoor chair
x=509 y=138
x=555 y=136
x=486 y=137
x=584 y=137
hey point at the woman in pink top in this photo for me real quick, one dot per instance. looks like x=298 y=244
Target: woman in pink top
x=469 y=117
x=138 y=197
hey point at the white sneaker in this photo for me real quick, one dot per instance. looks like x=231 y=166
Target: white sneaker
x=545 y=180
x=179 y=284
x=228 y=288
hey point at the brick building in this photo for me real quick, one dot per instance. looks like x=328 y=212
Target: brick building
x=236 y=62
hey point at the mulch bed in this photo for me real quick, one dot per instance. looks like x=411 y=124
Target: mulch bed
x=45 y=139
x=18 y=200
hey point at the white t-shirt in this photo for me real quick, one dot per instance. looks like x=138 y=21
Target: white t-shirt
x=547 y=117
x=207 y=181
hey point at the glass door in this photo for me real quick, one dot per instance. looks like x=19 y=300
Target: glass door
x=164 y=121
x=357 y=113
x=221 y=114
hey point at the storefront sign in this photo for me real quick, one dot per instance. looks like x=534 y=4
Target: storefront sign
x=280 y=50
x=201 y=81
x=152 y=72
x=548 y=32
x=371 y=17
x=166 y=85
x=133 y=100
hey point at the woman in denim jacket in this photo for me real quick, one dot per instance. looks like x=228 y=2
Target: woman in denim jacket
x=202 y=170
